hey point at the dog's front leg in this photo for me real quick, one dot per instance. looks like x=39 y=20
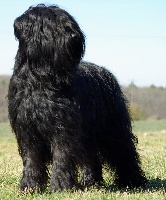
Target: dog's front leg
x=68 y=147
x=64 y=173
x=34 y=166
x=34 y=176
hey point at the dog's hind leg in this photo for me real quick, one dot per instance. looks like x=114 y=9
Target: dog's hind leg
x=122 y=157
x=92 y=171
x=91 y=175
x=116 y=142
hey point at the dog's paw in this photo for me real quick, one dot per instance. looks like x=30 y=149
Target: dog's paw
x=29 y=186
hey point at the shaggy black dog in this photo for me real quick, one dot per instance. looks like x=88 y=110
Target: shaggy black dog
x=64 y=111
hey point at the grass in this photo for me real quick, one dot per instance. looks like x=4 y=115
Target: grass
x=149 y=126
x=152 y=148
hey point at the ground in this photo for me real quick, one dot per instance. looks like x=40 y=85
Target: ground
x=152 y=148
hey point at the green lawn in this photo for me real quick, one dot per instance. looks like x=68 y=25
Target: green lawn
x=149 y=126
x=152 y=148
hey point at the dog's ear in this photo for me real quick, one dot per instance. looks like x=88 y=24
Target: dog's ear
x=69 y=39
x=71 y=45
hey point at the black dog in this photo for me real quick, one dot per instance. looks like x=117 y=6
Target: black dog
x=64 y=111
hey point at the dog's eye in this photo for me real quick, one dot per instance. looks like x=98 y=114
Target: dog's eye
x=73 y=35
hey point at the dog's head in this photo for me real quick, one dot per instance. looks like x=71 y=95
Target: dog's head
x=50 y=35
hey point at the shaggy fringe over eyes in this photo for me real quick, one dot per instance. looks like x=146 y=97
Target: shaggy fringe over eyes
x=50 y=33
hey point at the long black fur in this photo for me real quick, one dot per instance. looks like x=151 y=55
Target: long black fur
x=65 y=111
